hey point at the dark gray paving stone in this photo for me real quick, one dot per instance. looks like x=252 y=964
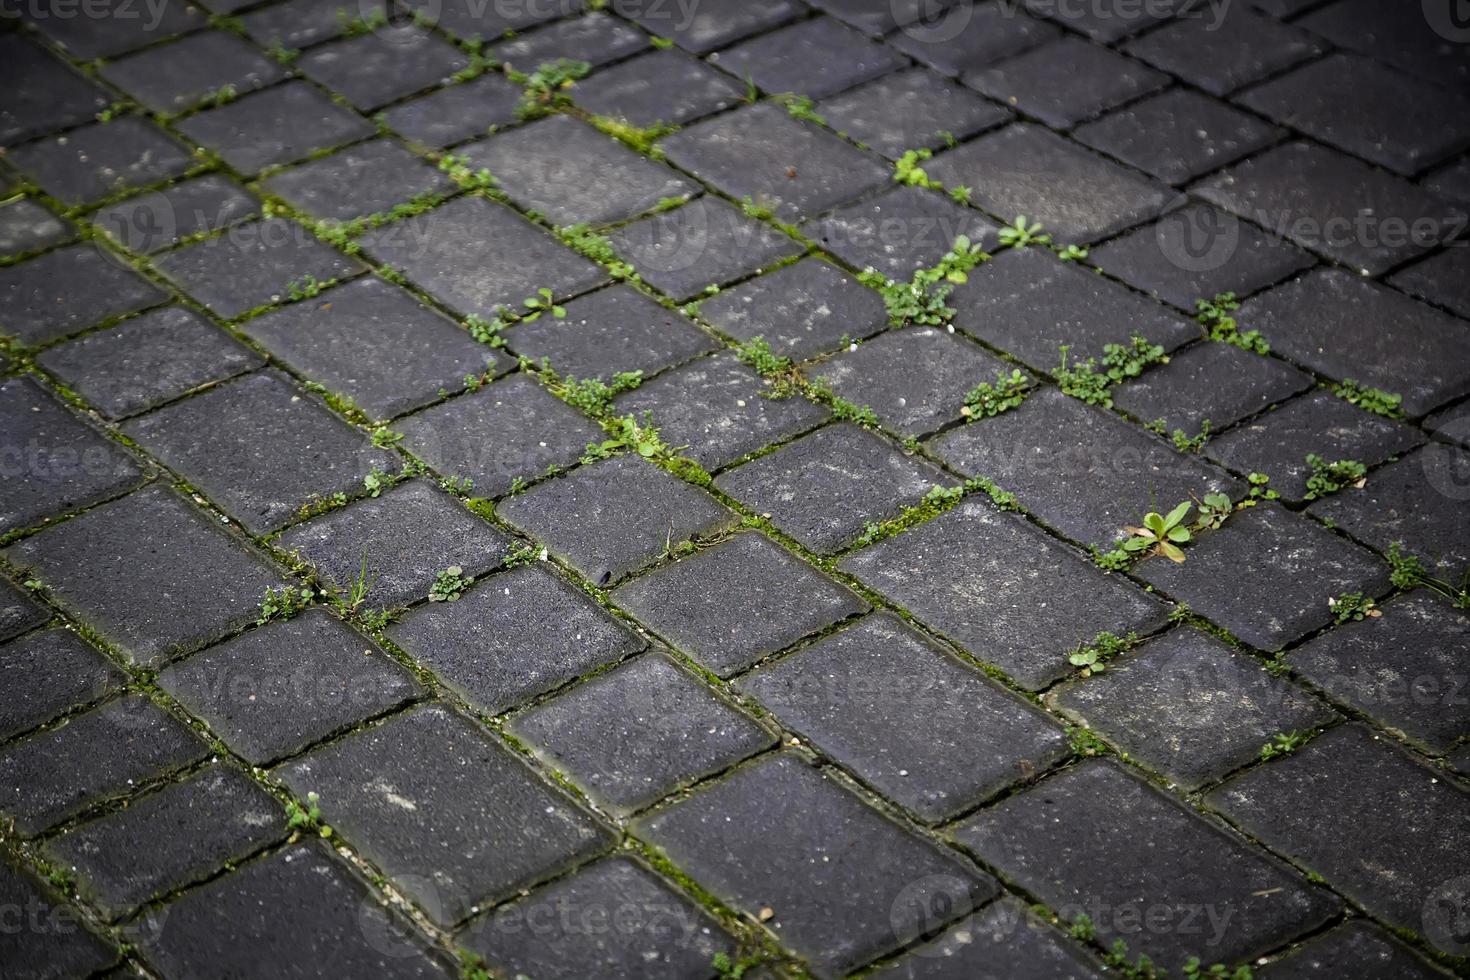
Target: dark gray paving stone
x=595 y=38
x=513 y=637
x=55 y=461
x=1452 y=181
x=261 y=448
x=1177 y=135
x=1004 y=582
x=733 y=604
x=457 y=112
x=1452 y=423
x=1005 y=941
x=253 y=265
x=111 y=27
x=1075 y=194
x=1066 y=81
x=1333 y=205
x=26 y=226
x=1443 y=279
x=67 y=290
x=704 y=243
x=264 y=915
x=1356 y=948
x=1380 y=115
x=1282 y=8
x=912 y=721
x=815 y=58
x=661 y=87
x=637 y=733
x=823 y=488
x=1210 y=382
x=41 y=94
x=405 y=537
x=91 y=163
x=383 y=66
x=909 y=110
x=709 y=25
x=967 y=37
x=803 y=309
x=103 y=753
x=272 y=691
x=18 y=612
x=898 y=231
x=512 y=429
x=1278 y=442
x=1221 y=54
x=50 y=672
x=915 y=379
x=148 y=360
x=387 y=351
x=1105 y=22
x=720 y=410
x=150 y=223
x=782 y=835
x=168 y=78
x=1430 y=46
x=470 y=20
x=1189 y=707
x=58 y=943
x=754 y=152
x=1380 y=828
x=614 y=517
x=1095 y=841
x=294 y=24
x=1198 y=252
x=1078 y=468
x=121 y=860
x=608 y=332
x=109 y=566
x=360 y=180
x=475 y=255
x=280 y=125
x=450 y=815
x=1266 y=575
x=627 y=925
x=1345 y=327
x=877 y=19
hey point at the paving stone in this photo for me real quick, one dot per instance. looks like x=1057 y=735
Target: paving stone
x=915 y=379
x=782 y=835
x=909 y=110
x=51 y=671
x=1222 y=54
x=1214 y=383
x=55 y=462
x=26 y=226
x=1004 y=941
x=280 y=125
x=1394 y=829
x=858 y=696
x=595 y=38
x=1106 y=22
x=1005 y=582
x=823 y=488
x=1443 y=279
x=42 y=95
x=1189 y=707
x=178 y=75
x=450 y=815
x=876 y=19
x=262 y=917
x=1066 y=81
x=1177 y=135
x=1452 y=423
x=720 y=409
x=512 y=429
x=969 y=37
x=261 y=448
x=1345 y=327
x=360 y=180
x=91 y=163
x=387 y=351
x=57 y=942
x=710 y=25
x=1355 y=947
x=1278 y=442
x=254 y=265
x=1078 y=196
x=1079 y=468
x=613 y=920
x=1417 y=45
x=67 y=290
x=121 y=860
x=1266 y=575
x=814 y=58
x=475 y=255
x=513 y=637
x=730 y=605
x=405 y=537
x=294 y=24
x=1452 y=181
x=150 y=223
x=111 y=27
x=761 y=152
x=457 y=112
x=1198 y=252
x=18 y=612
x=1143 y=868
x=148 y=360
x=103 y=753
x=801 y=310
x=1333 y=205
x=609 y=519
x=471 y=20
x=635 y=734
x=898 y=231
x=382 y=66
x=608 y=332
x=109 y=565
x=659 y=88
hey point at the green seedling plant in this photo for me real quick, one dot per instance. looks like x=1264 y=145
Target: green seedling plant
x=1021 y=232
x=1071 y=253
x=1260 y=489
x=626 y=434
x=1083 y=380
x=599 y=249
x=1353 y=607
x=1407 y=572
x=592 y=396
x=300 y=818
x=488 y=332
x=800 y=107
x=986 y=400
x=1213 y=511
x=1089 y=658
x=521 y=553
x=1328 y=478
x=921 y=300
x=727 y=968
x=376 y=482
x=1374 y=400
x=907 y=169
x=458 y=169
x=450 y=584
x=1161 y=534
x=542 y=303
x=546 y=87
x=306 y=287
x=283 y=603
x=1283 y=743
x=1195 y=970
x=1215 y=315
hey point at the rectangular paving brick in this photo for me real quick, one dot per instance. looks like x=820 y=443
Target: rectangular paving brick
x=1357 y=945
x=382 y=66
x=898 y=231
x=909 y=110
x=50 y=672
x=1066 y=81
x=1213 y=383
x=172 y=77
x=456 y=112
x=150 y=223
x=68 y=290
x=26 y=226
x=279 y=125
x=710 y=25
x=18 y=611
x=596 y=37
x=367 y=178
x=59 y=943
x=1004 y=941
x=662 y=87
x=971 y=37
x=1220 y=56
x=44 y=94
x=815 y=58
x=97 y=161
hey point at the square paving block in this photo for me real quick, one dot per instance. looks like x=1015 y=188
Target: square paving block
x=294 y=23
x=898 y=231
x=111 y=27
x=169 y=78
x=803 y=309
x=1214 y=383
x=364 y=179
x=67 y=290
x=968 y=38
x=815 y=58
x=26 y=226
x=1004 y=941
x=456 y=112
x=51 y=672
x=661 y=87
x=42 y=94
x=1066 y=81
x=383 y=65
x=97 y=161
x=1221 y=54
x=150 y=223
x=60 y=944
x=910 y=110
x=595 y=37
x=279 y=125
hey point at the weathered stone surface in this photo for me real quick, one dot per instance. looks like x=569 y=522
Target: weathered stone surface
x=800 y=310
x=986 y=34
x=1066 y=81
x=59 y=943
x=26 y=226
x=815 y=58
x=1004 y=941
x=595 y=37
x=150 y=223
x=710 y=25
x=1442 y=279
x=97 y=161
x=360 y=180
x=909 y=110
x=50 y=672
x=383 y=65
x=457 y=112
x=898 y=231
x=282 y=124
x=179 y=75
x=68 y=290
x=1213 y=383
x=18 y=612
x=1355 y=947
x=661 y=87
x=1224 y=53
x=42 y=95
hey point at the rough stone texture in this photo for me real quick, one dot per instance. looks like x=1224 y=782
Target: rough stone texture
x=1413 y=44
x=595 y=38
x=909 y=110
x=282 y=124
x=1004 y=941
x=60 y=944
x=94 y=162
x=1223 y=53
x=1355 y=947
x=815 y=58
x=382 y=66
x=710 y=25
x=68 y=290
x=973 y=37
x=360 y=180
x=898 y=231
x=800 y=310
x=150 y=223
x=1066 y=81
x=1210 y=382
x=659 y=88
x=112 y=27
x=26 y=226
x=42 y=94
x=51 y=672
x=1442 y=279
x=18 y=612
x=181 y=74
x=457 y=112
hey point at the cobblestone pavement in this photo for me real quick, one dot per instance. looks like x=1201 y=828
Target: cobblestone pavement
x=657 y=489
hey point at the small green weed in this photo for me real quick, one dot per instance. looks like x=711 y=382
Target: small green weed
x=593 y=397
x=921 y=300
x=546 y=87
x=283 y=603
x=1408 y=572
x=541 y=303
x=1161 y=534
x=1213 y=511
x=1374 y=400
x=1260 y=488
x=467 y=177
x=305 y=818
x=1020 y=233
x=376 y=482
x=986 y=400
x=1328 y=478
x=627 y=434
x=1089 y=658
x=450 y=584
x=800 y=107
x=1083 y=380
x=1071 y=253
x=1283 y=743
x=1353 y=607
x=907 y=169
x=1085 y=745
x=1195 y=970
x=306 y=287
x=1215 y=315
x=522 y=553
